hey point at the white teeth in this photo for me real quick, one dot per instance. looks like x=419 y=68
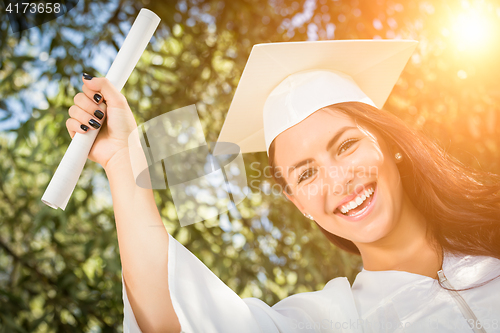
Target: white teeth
x=357 y=201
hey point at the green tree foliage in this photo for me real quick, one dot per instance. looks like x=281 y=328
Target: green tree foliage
x=60 y=270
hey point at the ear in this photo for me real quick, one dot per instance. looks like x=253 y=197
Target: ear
x=394 y=149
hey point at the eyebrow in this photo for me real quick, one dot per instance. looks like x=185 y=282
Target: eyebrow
x=298 y=165
x=328 y=146
x=338 y=135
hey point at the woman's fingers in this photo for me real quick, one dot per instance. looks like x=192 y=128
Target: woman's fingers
x=85 y=118
x=100 y=88
x=93 y=96
x=84 y=102
x=89 y=111
x=73 y=126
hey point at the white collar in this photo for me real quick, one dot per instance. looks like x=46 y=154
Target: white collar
x=371 y=287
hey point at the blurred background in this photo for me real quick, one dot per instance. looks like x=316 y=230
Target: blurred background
x=60 y=270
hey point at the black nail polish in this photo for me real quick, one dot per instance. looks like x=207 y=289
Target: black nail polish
x=97 y=98
x=84 y=127
x=98 y=114
x=94 y=124
x=87 y=77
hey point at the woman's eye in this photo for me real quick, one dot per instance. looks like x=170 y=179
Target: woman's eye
x=346 y=145
x=305 y=175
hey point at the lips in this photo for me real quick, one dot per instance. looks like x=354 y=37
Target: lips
x=349 y=198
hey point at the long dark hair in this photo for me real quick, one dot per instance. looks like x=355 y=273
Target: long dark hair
x=461 y=204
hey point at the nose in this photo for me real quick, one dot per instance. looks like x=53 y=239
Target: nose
x=338 y=182
x=339 y=178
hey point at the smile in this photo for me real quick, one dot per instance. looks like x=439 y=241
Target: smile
x=360 y=206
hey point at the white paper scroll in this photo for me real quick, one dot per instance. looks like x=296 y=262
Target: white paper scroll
x=66 y=176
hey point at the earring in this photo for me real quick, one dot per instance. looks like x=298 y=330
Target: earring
x=309 y=216
x=398 y=157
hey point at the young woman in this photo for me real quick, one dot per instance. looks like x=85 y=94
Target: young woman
x=423 y=223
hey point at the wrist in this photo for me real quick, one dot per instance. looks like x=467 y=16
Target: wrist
x=118 y=160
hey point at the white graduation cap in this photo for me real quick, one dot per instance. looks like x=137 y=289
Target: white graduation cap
x=283 y=83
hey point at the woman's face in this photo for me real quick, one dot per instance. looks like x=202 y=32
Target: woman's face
x=325 y=151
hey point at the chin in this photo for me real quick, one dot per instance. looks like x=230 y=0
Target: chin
x=373 y=227
x=371 y=235
x=377 y=229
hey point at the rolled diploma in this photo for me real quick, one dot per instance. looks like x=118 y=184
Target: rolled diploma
x=68 y=172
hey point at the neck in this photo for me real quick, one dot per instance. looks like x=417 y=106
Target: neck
x=406 y=248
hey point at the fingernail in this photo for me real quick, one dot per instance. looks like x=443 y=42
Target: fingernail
x=84 y=127
x=94 y=124
x=87 y=77
x=98 y=114
x=97 y=98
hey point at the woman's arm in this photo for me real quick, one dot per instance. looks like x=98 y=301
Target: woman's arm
x=143 y=243
x=142 y=238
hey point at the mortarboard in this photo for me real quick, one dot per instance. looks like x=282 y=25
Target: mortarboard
x=283 y=83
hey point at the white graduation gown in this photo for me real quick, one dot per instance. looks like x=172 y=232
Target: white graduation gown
x=379 y=301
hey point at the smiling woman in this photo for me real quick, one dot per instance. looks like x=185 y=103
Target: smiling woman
x=375 y=187
x=423 y=223
x=458 y=205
